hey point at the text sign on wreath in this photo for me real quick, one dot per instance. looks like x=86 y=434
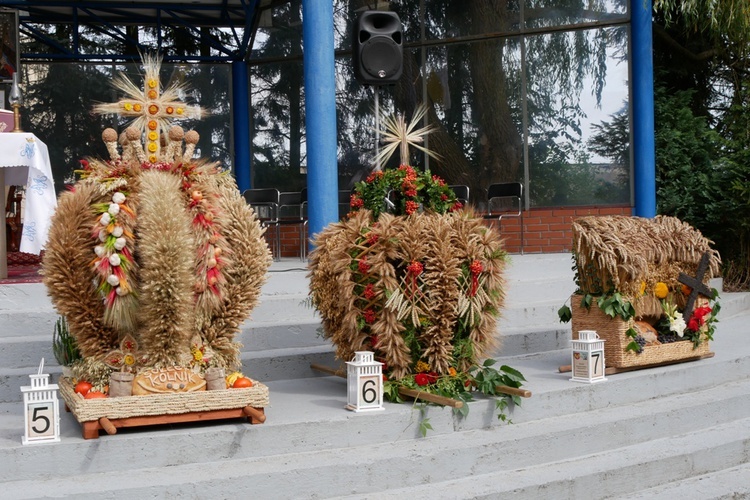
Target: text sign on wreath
x=364 y=382
x=40 y=409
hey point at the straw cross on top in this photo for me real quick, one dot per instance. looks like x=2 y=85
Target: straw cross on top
x=151 y=109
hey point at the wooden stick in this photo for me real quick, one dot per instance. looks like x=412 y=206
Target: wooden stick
x=432 y=398
x=612 y=370
x=327 y=369
x=453 y=403
x=255 y=414
x=513 y=391
x=108 y=426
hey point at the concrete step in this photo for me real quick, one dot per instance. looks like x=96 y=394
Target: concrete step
x=729 y=483
x=375 y=454
x=608 y=474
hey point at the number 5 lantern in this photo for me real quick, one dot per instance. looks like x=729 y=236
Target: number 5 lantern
x=40 y=408
x=364 y=378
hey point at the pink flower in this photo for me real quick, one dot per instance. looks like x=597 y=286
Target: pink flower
x=363 y=265
x=415 y=268
x=369 y=316
x=438 y=180
x=356 y=202
x=475 y=267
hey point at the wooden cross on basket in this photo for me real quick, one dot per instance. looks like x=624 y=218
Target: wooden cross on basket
x=696 y=285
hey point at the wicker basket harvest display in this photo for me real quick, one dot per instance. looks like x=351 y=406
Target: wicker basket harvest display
x=643 y=287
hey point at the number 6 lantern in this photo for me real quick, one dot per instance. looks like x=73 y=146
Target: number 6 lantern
x=364 y=377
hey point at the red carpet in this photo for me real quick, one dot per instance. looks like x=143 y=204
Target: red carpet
x=23 y=268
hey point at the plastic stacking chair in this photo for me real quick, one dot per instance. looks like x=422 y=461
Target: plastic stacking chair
x=292 y=212
x=461 y=192
x=505 y=195
x=265 y=203
x=345 y=198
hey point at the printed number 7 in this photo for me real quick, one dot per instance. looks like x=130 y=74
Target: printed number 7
x=598 y=356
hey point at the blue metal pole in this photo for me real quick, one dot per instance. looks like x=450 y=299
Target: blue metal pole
x=644 y=158
x=241 y=120
x=320 y=114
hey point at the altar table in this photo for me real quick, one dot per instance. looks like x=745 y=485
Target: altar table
x=24 y=161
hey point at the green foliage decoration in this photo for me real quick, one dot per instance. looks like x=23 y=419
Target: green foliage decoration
x=403 y=191
x=64 y=345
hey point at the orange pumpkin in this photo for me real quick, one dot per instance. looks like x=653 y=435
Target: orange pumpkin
x=95 y=395
x=83 y=387
x=242 y=382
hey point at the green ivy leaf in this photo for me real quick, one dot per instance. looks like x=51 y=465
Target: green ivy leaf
x=424 y=426
x=565 y=314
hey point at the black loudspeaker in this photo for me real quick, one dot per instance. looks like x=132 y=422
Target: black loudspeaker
x=377 y=46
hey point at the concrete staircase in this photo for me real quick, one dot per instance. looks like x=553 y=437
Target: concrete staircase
x=682 y=429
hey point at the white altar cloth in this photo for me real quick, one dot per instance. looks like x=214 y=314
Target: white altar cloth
x=25 y=161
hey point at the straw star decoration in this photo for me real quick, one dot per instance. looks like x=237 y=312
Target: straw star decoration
x=398 y=134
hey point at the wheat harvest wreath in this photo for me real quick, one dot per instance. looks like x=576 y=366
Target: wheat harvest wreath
x=414 y=278
x=154 y=259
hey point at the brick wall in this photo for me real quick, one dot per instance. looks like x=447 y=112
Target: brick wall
x=546 y=230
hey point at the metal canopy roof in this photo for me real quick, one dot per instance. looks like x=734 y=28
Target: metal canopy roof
x=110 y=18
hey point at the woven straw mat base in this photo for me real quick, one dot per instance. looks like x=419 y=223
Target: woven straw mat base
x=613 y=331
x=86 y=410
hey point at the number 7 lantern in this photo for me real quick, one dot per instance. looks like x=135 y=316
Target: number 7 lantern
x=364 y=378
x=588 y=357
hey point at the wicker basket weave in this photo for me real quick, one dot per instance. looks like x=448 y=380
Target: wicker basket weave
x=613 y=331
x=86 y=410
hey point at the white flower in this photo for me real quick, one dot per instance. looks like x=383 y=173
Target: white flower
x=105 y=218
x=117 y=231
x=114 y=259
x=118 y=197
x=114 y=208
x=113 y=280
x=102 y=235
x=120 y=243
x=121 y=290
x=677 y=325
x=99 y=250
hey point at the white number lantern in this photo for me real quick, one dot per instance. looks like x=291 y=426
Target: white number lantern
x=587 y=359
x=41 y=411
x=364 y=378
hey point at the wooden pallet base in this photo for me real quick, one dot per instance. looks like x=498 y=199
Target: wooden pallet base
x=91 y=429
x=613 y=370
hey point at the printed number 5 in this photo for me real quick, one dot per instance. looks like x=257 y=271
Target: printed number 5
x=35 y=416
x=369 y=394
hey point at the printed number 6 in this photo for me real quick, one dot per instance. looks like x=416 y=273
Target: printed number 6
x=36 y=417
x=369 y=394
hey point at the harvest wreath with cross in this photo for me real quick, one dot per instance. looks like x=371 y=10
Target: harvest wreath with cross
x=153 y=250
x=652 y=274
